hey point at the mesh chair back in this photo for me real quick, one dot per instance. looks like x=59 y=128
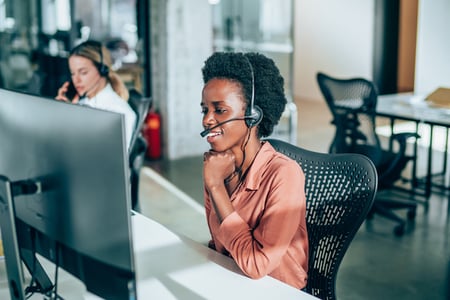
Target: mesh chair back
x=340 y=190
x=352 y=103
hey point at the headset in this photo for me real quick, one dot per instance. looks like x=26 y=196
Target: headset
x=101 y=67
x=253 y=113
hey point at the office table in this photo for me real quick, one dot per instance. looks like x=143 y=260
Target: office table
x=171 y=266
x=413 y=107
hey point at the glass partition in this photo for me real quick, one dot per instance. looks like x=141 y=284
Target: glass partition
x=263 y=26
x=36 y=37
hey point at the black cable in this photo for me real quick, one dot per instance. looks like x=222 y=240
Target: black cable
x=53 y=293
x=243 y=146
x=239 y=169
x=32 y=287
x=55 y=286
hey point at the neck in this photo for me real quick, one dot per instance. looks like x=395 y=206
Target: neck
x=251 y=151
x=244 y=161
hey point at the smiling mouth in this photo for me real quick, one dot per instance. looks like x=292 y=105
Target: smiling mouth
x=212 y=134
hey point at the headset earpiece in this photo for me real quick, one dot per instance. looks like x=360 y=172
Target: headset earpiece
x=253 y=113
x=102 y=68
x=253 y=116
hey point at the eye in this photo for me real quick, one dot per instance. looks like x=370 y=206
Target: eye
x=220 y=111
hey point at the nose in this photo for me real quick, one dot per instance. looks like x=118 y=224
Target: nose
x=75 y=78
x=208 y=119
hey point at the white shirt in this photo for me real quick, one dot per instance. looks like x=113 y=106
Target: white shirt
x=108 y=99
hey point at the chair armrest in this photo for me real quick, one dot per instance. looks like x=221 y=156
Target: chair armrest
x=402 y=137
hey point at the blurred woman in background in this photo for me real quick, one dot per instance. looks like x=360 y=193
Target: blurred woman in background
x=94 y=84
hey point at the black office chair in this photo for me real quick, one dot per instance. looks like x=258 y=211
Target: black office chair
x=138 y=144
x=340 y=190
x=352 y=103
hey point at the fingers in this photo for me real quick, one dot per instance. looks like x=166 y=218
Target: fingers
x=62 y=92
x=62 y=98
x=218 y=165
x=76 y=99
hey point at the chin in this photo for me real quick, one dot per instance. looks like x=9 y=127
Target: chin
x=217 y=148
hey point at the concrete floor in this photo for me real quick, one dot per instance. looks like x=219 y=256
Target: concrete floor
x=378 y=264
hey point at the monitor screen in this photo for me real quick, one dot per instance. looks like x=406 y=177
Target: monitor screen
x=80 y=218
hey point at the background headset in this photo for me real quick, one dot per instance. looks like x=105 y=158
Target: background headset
x=101 y=67
x=253 y=113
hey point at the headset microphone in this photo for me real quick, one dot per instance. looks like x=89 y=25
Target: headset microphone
x=207 y=131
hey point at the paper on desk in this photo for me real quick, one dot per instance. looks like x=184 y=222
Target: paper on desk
x=439 y=97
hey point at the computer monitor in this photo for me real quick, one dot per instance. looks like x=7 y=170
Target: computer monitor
x=64 y=180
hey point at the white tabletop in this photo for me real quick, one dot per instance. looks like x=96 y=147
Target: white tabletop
x=170 y=266
x=174 y=267
x=412 y=107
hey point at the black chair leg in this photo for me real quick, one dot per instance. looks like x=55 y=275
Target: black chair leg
x=380 y=209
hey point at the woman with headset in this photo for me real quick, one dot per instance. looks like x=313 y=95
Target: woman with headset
x=254 y=196
x=94 y=84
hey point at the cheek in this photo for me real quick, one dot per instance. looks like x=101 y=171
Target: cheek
x=90 y=77
x=237 y=128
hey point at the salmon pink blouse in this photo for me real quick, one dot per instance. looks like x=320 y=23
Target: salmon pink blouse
x=266 y=234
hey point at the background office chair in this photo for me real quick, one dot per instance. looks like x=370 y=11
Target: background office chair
x=352 y=103
x=340 y=190
x=138 y=144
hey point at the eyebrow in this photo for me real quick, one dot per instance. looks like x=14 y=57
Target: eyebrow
x=214 y=102
x=80 y=70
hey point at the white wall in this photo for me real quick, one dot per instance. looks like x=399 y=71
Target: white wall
x=433 y=46
x=335 y=37
x=181 y=42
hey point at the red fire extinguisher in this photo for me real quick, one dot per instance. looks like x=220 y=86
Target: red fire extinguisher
x=152 y=133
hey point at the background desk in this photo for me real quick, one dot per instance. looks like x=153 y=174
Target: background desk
x=411 y=107
x=170 y=266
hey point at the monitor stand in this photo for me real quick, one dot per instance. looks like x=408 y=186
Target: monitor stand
x=13 y=254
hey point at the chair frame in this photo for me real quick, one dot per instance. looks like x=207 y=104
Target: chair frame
x=355 y=98
x=138 y=146
x=340 y=190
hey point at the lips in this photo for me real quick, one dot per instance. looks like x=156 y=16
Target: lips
x=212 y=136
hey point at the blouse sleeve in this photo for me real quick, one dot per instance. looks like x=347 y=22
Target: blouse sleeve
x=208 y=211
x=258 y=251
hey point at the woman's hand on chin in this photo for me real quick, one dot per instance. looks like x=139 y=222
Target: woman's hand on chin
x=217 y=166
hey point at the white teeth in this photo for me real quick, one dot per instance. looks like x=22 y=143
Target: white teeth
x=214 y=133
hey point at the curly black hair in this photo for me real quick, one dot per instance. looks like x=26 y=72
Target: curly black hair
x=268 y=83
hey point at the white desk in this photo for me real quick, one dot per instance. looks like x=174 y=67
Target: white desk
x=172 y=267
x=412 y=107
